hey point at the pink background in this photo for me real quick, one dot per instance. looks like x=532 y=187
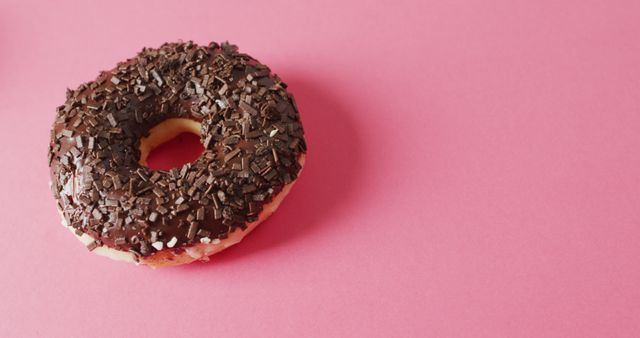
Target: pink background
x=474 y=171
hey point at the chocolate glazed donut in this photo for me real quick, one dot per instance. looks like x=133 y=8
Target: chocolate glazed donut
x=253 y=142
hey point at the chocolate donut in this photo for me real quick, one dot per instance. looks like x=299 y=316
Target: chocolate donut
x=249 y=126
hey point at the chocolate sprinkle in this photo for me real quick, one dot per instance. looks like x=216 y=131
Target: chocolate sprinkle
x=200 y=214
x=92 y=246
x=193 y=228
x=251 y=132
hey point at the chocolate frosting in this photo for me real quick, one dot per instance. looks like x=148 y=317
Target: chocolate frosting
x=251 y=132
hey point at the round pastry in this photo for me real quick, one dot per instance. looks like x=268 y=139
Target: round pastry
x=248 y=123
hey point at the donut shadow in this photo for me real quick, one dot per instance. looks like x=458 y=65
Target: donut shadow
x=327 y=185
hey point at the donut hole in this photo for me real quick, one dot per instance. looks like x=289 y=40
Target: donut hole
x=171 y=144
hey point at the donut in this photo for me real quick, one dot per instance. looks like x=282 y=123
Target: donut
x=250 y=129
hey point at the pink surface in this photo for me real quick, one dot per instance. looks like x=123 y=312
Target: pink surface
x=473 y=171
x=174 y=153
